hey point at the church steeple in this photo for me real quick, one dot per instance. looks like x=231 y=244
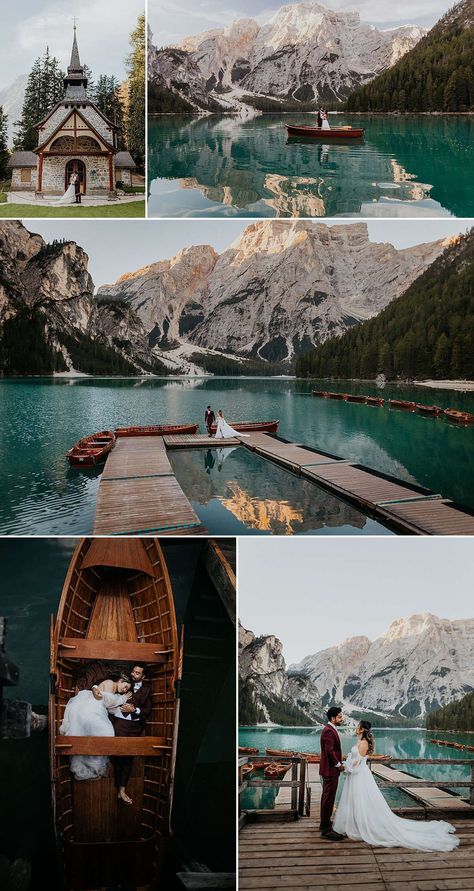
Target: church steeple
x=75 y=81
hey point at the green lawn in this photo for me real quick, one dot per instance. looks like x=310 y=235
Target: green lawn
x=28 y=211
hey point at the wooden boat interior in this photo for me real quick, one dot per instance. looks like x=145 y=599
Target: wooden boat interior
x=116 y=607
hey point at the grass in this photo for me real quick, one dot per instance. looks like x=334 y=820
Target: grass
x=28 y=211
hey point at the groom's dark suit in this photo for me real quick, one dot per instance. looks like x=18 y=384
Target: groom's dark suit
x=331 y=756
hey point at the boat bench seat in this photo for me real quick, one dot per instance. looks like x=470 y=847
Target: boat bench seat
x=116 y=650
x=112 y=745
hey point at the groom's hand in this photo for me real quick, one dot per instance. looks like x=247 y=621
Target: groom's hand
x=127 y=708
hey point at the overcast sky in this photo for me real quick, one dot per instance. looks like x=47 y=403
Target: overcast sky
x=171 y=20
x=313 y=593
x=118 y=246
x=103 y=27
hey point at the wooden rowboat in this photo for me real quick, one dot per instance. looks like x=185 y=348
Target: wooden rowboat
x=156 y=430
x=276 y=771
x=91 y=450
x=260 y=763
x=374 y=400
x=353 y=397
x=245 y=750
x=428 y=409
x=459 y=417
x=247 y=769
x=400 y=403
x=337 y=395
x=281 y=753
x=319 y=133
x=252 y=426
x=116 y=606
x=323 y=394
x=311 y=757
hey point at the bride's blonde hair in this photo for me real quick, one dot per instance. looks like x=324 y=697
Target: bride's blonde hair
x=367 y=734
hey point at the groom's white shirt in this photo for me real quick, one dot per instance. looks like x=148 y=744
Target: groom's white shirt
x=330 y=724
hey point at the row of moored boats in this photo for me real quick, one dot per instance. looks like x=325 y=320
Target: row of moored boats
x=93 y=449
x=434 y=411
x=453 y=745
x=276 y=770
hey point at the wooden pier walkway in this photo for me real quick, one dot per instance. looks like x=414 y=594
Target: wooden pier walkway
x=416 y=787
x=402 y=506
x=139 y=493
x=294 y=856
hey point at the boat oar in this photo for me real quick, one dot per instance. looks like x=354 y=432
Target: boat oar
x=177 y=688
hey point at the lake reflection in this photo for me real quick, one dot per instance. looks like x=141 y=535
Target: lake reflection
x=222 y=166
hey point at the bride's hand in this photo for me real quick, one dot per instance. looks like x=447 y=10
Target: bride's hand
x=128 y=696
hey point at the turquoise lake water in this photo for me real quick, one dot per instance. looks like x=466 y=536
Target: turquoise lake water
x=41 y=419
x=414 y=165
x=400 y=743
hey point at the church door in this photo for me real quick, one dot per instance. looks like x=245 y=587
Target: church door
x=76 y=166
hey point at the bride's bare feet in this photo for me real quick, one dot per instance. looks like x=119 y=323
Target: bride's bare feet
x=124 y=797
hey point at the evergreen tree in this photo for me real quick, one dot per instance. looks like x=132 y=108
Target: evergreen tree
x=135 y=130
x=458 y=715
x=3 y=143
x=106 y=95
x=44 y=89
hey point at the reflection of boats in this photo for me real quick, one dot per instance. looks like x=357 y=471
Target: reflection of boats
x=276 y=771
x=281 y=752
x=428 y=409
x=252 y=426
x=400 y=403
x=459 y=417
x=319 y=133
x=245 y=750
x=91 y=449
x=116 y=606
x=374 y=400
x=156 y=430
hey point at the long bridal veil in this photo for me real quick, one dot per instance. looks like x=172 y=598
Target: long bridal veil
x=363 y=814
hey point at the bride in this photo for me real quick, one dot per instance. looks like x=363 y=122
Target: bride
x=324 y=120
x=363 y=813
x=88 y=715
x=224 y=430
x=69 y=196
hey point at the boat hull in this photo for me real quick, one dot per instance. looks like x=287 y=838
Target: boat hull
x=319 y=133
x=91 y=450
x=116 y=607
x=156 y=430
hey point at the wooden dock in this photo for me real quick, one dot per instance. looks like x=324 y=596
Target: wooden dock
x=294 y=856
x=401 y=506
x=139 y=493
x=416 y=787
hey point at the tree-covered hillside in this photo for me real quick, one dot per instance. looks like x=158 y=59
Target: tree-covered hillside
x=427 y=332
x=457 y=715
x=436 y=75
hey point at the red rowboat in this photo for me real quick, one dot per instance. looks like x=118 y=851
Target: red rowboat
x=246 y=770
x=245 y=750
x=319 y=133
x=337 y=395
x=428 y=409
x=276 y=771
x=374 y=400
x=353 y=397
x=260 y=763
x=399 y=403
x=156 y=430
x=460 y=417
x=249 y=426
x=322 y=393
x=311 y=757
x=281 y=753
x=92 y=449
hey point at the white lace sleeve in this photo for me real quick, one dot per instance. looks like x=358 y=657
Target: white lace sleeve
x=113 y=700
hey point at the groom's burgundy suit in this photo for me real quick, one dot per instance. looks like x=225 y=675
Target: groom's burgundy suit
x=331 y=755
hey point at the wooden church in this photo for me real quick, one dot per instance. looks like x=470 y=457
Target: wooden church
x=74 y=137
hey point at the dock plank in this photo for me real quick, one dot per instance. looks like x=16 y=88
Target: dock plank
x=126 y=462
x=197 y=440
x=434 y=517
x=368 y=487
x=146 y=505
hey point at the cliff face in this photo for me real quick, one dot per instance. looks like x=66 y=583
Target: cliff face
x=48 y=287
x=281 y=288
x=304 y=52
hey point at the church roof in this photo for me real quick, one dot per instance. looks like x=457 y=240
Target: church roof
x=75 y=62
x=75 y=81
x=22 y=159
x=74 y=110
x=124 y=159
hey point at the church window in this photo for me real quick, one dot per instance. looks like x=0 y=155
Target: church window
x=25 y=174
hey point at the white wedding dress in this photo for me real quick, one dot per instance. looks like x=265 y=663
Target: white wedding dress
x=86 y=716
x=363 y=814
x=325 y=124
x=225 y=431
x=69 y=196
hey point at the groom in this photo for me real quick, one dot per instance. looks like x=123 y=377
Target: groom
x=330 y=768
x=135 y=714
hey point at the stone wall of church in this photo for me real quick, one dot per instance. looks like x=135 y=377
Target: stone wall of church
x=97 y=174
x=123 y=175
x=93 y=117
x=23 y=181
x=51 y=125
